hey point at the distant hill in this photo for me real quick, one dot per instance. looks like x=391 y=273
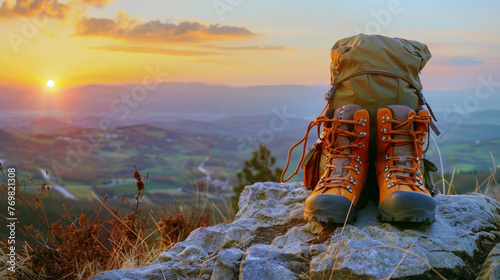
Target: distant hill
x=6 y=138
x=9 y=146
x=468 y=132
x=43 y=125
x=194 y=126
x=172 y=101
x=241 y=126
x=207 y=103
x=449 y=100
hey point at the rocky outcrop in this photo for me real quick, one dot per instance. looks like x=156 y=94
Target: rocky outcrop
x=270 y=240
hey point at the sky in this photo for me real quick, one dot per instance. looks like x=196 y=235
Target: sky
x=235 y=42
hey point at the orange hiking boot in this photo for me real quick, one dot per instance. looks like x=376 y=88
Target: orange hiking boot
x=401 y=134
x=346 y=136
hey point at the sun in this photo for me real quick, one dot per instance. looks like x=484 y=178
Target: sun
x=50 y=83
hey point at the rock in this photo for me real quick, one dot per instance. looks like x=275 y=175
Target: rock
x=270 y=240
x=265 y=262
x=228 y=263
x=491 y=267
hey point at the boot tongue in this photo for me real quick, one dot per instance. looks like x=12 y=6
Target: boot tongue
x=400 y=113
x=345 y=112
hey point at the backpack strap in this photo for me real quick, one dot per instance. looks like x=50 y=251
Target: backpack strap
x=424 y=102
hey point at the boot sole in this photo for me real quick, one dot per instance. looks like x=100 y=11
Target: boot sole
x=405 y=206
x=336 y=217
x=332 y=208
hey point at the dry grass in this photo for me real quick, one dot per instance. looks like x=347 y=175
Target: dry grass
x=488 y=186
x=82 y=245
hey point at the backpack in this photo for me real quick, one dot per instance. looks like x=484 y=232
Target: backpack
x=371 y=71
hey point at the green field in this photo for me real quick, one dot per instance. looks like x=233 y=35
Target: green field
x=467 y=156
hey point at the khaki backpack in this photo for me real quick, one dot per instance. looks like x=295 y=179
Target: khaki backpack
x=371 y=71
x=374 y=71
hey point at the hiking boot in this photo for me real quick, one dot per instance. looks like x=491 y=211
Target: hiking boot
x=346 y=136
x=401 y=134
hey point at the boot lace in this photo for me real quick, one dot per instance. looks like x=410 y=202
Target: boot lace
x=338 y=151
x=329 y=136
x=400 y=172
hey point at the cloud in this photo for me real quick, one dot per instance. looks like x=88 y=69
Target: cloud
x=151 y=50
x=49 y=8
x=129 y=29
x=220 y=62
x=251 y=48
x=460 y=61
x=96 y=3
x=30 y=8
x=477 y=36
x=429 y=32
x=96 y=27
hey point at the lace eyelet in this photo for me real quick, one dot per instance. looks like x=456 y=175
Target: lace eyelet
x=352 y=181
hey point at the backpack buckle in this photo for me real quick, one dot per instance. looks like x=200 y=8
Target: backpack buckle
x=329 y=94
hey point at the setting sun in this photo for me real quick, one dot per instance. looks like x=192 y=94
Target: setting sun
x=50 y=83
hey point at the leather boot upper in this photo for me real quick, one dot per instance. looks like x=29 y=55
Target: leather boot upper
x=401 y=134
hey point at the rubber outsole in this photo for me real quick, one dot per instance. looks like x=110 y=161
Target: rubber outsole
x=324 y=215
x=405 y=206
x=332 y=208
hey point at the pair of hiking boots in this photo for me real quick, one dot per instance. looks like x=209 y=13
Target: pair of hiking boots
x=400 y=138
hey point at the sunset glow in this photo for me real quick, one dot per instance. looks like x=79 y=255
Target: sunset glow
x=50 y=83
x=113 y=42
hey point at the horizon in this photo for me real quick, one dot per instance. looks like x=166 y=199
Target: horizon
x=25 y=87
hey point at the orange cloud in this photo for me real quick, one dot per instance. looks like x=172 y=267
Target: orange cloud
x=251 y=48
x=97 y=3
x=50 y=8
x=151 y=50
x=129 y=29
